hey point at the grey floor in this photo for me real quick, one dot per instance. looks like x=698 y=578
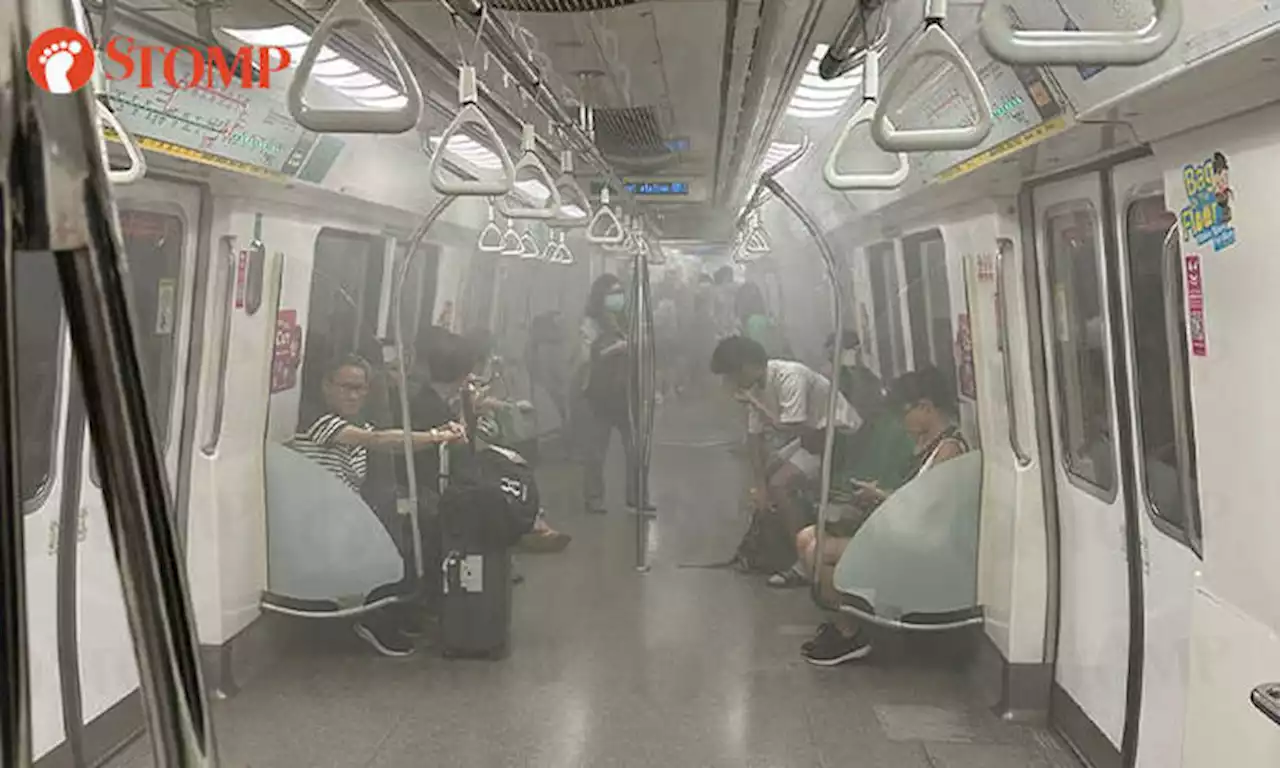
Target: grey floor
x=674 y=668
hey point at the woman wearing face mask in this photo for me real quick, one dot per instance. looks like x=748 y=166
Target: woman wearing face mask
x=605 y=348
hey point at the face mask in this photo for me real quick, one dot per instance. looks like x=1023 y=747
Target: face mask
x=615 y=302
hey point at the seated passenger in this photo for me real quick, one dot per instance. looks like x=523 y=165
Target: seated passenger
x=339 y=440
x=928 y=409
x=790 y=399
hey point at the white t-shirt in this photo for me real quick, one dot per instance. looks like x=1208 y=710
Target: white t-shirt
x=797 y=395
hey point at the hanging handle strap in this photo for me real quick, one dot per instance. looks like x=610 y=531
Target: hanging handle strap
x=490 y=240
x=137 y=169
x=531 y=164
x=346 y=14
x=470 y=114
x=866 y=113
x=571 y=194
x=933 y=40
x=1037 y=47
x=605 y=227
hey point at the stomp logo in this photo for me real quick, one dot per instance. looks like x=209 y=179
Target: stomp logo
x=61 y=60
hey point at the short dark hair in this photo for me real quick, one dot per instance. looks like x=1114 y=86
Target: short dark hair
x=450 y=357
x=348 y=361
x=924 y=384
x=735 y=353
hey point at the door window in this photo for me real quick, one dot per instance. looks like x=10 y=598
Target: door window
x=929 y=302
x=1165 y=427
x=154 y=244
x=886 y=302
x=1080 y=355
x=342 y=314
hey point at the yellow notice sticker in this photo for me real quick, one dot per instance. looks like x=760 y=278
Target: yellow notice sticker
x=147 y=143
x=1045 y=130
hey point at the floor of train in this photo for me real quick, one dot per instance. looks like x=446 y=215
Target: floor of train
x=674 y=668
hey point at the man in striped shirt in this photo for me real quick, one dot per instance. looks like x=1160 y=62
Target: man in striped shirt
x=339 y=440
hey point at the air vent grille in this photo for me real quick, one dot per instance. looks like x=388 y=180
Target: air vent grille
x=559 y=6
x=629 y=132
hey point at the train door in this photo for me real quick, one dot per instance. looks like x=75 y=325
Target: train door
x=160 y=226
x=1092 y=668
x=1164 y=447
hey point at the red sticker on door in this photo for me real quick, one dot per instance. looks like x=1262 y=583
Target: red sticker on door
x=242 y=278
x=1195 y=307
x=287 y=355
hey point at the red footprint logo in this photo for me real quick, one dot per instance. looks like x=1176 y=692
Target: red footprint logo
x=61 y=60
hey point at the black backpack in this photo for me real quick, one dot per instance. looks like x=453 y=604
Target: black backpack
x=767 y=546
x=490 y=502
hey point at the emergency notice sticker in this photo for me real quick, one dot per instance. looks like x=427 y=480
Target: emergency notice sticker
x=1195 y=307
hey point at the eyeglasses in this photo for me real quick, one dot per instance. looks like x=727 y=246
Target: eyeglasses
x=354 y=389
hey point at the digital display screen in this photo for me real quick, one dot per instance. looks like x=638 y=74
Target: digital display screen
x=658 y=188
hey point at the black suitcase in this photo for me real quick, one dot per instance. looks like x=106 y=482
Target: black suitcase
x=475 y=614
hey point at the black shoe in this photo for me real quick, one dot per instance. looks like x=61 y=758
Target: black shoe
x=820 y=637
x=386 y=642
x=835 y=649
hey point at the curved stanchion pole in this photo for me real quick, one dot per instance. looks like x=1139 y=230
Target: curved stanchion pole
x=402 y=374
x=841 y=181
x=642 y=399
x=529 y=161
x=346 y=14
x=933 y=40
x=1039 y=47
x=469 y=113
x=137 y=169
x=61 y=207
x=837 y=315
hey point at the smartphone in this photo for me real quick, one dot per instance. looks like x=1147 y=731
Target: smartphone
x=1267 y=699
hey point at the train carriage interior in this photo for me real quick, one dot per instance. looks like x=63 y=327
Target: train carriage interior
x=682 y=383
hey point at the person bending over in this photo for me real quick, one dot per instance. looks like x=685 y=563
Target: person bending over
x=788 y=398
x=928 y=413
x=340 y=440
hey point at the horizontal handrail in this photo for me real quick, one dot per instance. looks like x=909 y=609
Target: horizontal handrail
x=1038 y=47
x=865 y=114
x=346 y=14
x=470 y=114
x=933 y=40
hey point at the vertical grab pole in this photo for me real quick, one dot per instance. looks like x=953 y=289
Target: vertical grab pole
x=65 y=209
x=833 y=398
x=402 y=377
x=15 y=684
x=641 y=400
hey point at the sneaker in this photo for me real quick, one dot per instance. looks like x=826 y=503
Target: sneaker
x=788 y=579
x=387 y=643
x=820 y=637
x=834 y=649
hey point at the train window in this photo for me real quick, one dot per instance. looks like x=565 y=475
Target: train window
x=154 y=244
x=929 y=302
x=342 y=314
x=886 y=303
x=1080 y=359
x=482 y=283
x=39 y=345
x=1164 y=407
x=419 y=295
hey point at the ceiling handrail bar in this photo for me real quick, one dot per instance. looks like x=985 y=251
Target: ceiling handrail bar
x=1079 y=47
x=864 y=114
x=530 y=162
x=469 y=113
x=933 y=40
x=345 y=14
